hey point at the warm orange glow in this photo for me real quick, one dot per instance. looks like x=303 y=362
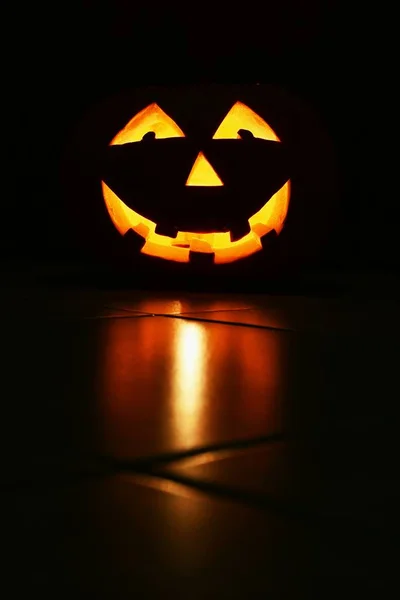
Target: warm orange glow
x=189 y=380
x=242 y=117
x=151 y=118
x=202 y=173
x=271 y=216
x=168 y=385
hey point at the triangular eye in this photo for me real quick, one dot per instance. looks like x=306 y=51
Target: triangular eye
x=241 y=117
x=150 y=119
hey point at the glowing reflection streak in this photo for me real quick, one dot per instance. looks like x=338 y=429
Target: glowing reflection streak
x=189 y=381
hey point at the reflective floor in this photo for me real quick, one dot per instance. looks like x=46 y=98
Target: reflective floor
x=198 y=446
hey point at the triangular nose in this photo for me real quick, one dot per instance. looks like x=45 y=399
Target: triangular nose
x=202 y=173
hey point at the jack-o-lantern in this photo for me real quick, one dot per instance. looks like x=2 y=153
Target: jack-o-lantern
x=216 y=179
x=222 y=217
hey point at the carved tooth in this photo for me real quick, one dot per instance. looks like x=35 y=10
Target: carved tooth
x=239 y=230
x=201 y=259
x=168 y=230
x=149 y=136
x=245 y=134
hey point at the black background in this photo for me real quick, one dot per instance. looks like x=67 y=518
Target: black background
x=62 y=60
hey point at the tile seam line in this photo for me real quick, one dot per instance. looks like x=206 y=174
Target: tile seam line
x=220 y=322
x=189 y=312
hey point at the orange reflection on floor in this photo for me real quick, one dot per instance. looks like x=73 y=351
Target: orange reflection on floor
x=134 y=372
x=262 y=370
x=167 y=385
x=189 y=380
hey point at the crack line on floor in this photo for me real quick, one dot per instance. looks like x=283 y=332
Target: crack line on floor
x=103 y=466
x=234 y=323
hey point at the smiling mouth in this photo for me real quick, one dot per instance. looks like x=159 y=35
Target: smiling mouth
x=181 y=189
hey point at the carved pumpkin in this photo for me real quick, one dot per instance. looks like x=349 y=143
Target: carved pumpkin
x=225 y=180
x=248 y=130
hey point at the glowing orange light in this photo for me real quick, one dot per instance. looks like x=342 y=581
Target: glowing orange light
x=152 y=118
x=271 y=216
x=176 y=410
x=202 y=173
x=189 y=380
x=242 y=117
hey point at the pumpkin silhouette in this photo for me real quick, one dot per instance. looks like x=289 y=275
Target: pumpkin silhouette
x=209 y=174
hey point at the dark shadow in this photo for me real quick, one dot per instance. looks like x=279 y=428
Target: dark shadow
x=150 y=177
